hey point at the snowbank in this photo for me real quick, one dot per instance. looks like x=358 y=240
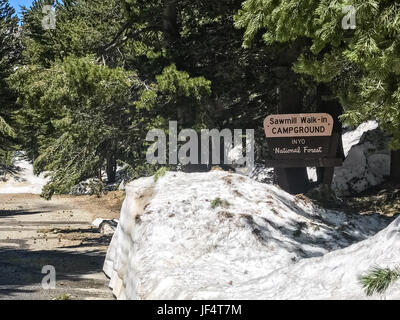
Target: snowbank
x=367 y=161
x=24 y=180
x=333 y=276
x=219 y=235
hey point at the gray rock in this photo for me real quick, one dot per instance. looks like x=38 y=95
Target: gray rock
x=367 y=163
x=105 y=226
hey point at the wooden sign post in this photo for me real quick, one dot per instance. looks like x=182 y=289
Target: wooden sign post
x=302 y=140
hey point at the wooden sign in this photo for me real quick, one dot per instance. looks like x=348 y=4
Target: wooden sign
x=298 y=125
x=299 y=136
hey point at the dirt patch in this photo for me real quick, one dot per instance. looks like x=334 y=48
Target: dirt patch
x=35 y=232
x=107 y=206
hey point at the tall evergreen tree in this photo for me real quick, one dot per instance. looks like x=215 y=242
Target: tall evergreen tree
x=81 y=111
x=9 y=54
x=361 y=67
x=92 y=117
x=199 y=37
x=173 y=62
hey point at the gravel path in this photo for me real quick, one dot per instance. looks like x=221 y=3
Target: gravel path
x=35 y=233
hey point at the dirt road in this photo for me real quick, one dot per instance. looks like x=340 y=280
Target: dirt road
x=35 y=233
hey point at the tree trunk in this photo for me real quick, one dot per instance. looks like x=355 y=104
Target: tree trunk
x=395 y=166
x=292 y=180
x=170 y=22
x=327 y=103
x=111 y=169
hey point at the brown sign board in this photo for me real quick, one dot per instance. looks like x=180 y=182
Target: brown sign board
x=299 y=148
x=298 y=125
x=299 y=136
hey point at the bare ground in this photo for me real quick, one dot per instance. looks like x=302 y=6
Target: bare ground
x=35 y=232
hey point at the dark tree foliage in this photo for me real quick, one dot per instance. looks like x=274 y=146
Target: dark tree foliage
x=360 y=66
x=9 y=55
x=89 y=90
x=181 y=60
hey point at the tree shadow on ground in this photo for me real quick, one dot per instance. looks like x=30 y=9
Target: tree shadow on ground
x=296 y=236
x=21 y=268
x=12 y=170
x=93 y=242
x=11 y=213
x=77 y=230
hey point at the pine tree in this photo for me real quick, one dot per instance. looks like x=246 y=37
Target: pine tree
x=171 y=63
x=199 y=38
x=81 y=111
x=9 y=54
x=361 y=67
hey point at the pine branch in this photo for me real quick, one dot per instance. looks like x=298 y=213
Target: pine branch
x=378 y=280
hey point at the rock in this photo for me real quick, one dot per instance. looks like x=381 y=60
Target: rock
x=108 y=227
x=379 y=164
x=96 y=223
x=105 y=226
x=367 y=162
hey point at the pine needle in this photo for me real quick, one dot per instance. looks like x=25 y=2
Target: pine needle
x=379 y=279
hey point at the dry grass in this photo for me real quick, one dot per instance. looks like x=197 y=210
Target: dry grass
x=108 y=206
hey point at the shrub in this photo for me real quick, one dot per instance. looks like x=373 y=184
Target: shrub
x=218 y=202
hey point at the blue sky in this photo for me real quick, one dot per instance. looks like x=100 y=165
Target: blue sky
x=17 y=3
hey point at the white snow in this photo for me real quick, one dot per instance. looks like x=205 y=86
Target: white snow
x=332 y=276
x=259 y=243
x=24 y=181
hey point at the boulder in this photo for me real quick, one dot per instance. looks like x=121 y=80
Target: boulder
x=367 y=162
x=105 y=226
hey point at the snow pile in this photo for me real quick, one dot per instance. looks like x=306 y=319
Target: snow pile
x=367 y=160
x=221 y=235
x=333 y=276
x=23 y=180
